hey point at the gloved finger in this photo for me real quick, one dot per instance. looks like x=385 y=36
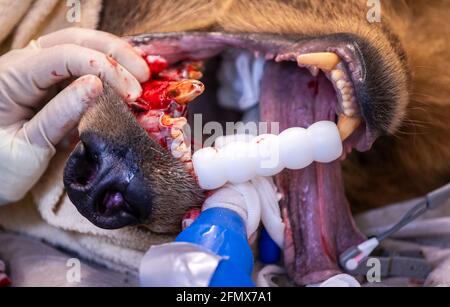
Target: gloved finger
x=104 y=42
x=63 y=112
x=52 y=65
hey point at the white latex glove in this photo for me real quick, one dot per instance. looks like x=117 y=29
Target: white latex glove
x=30 y=127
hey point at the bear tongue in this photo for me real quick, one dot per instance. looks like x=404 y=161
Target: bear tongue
x=314 y=207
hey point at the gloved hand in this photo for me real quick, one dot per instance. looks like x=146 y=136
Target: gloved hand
x=30 y=127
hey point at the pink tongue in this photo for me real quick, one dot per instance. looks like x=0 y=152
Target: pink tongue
x=319 y=222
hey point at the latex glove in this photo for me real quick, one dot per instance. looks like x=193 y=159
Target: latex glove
x=30 y=127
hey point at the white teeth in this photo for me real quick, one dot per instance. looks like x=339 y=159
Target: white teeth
x=296 y=148
x=347 y=125
x=326 y=141
x=350 y=112
x=346 y=104
x=340 y=84
x=337 y=74
x=345 y=90
x=331 y=64
x=267 y=155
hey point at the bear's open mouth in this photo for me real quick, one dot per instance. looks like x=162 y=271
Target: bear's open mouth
x=304 y=81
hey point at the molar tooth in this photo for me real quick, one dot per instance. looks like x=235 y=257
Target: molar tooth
x=346 y=98
x=337 y=74
x=346 y=91
x=340 y=84
x=346 y=104
x=347 y=125
x=350 y=112
x=323 y=60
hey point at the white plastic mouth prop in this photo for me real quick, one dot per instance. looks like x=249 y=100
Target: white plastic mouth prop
x=240 y=158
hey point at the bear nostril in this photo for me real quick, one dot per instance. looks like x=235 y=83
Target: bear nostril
x=86 y=167
x=86 y=174
x=111 y=203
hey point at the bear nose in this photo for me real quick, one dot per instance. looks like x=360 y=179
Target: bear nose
x=105 y=185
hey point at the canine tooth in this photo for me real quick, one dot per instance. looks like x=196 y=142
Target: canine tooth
x=185 y=91
x=323 y=60
x=337 y=74
x=347 y=125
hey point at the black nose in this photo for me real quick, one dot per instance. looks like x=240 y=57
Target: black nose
x=104 y=182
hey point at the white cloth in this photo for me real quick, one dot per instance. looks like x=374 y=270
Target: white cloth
x=240 y=77
x=430 y=234
x=32 y=263
x=434 y=223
